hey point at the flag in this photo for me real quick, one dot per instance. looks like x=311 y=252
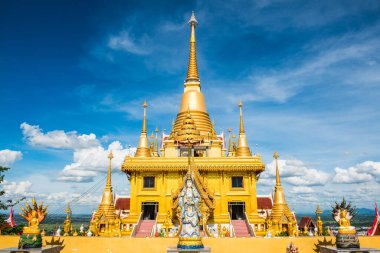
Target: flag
x=11 y=220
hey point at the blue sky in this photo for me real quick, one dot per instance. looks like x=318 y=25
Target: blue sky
x=73 y=76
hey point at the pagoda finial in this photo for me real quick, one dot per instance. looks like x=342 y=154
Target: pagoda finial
x=241 y=128
x=276 y=156
x=243 y=149
x=143 y=147
x=230 y=145
x=110 y=157
x=145 y=105
x=192 y=70
x=319 y=210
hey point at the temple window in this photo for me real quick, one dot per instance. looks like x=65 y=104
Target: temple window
x=237 y=182
x=149 y=182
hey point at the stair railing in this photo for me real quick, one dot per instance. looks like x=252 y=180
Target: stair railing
x=152 y=234
x=231 y=226
x=250 y=229
x=137 y=226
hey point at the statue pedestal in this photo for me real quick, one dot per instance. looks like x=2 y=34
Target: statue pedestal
x=347 y=241
x=177 y=250
x=330 y=249
x=48 y=249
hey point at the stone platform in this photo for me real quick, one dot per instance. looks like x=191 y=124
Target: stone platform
x=329 y=249
x=47 y=249
x=177 y=250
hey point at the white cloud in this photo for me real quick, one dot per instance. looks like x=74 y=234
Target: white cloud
x=8 y=157
x=363 y=172
x=57 y=139
x=16 y=188
x=296 y=172
x=302 y=189
x=89 y=156
x=88 y=162
x=125 y=42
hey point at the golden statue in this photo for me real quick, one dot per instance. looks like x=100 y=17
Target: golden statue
x=67 y=223
x=34 y=215
x=168 y=223
x=318 y=212
x=320 y=226
x=346 y=237
x=67 y=226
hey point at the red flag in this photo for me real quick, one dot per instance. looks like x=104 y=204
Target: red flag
x=11 y=220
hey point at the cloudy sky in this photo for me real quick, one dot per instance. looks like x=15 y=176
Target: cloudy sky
x=73 y=76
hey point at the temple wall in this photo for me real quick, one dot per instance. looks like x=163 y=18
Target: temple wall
x=159 y=245
x=217 y=182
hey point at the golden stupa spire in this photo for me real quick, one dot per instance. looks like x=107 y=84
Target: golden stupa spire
x=192 y=97
x=278 y=180
x=106 y=206
x=156 y=142
x=192 y=70
x=230 y=145
x=143 y=147
x=319 y=210
x=281 y=214
x=108 y=185
x=243 y=149
x=279 y=196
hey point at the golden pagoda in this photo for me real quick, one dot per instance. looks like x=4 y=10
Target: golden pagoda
x=105 y=222
x=281 y=218
x=226 y=180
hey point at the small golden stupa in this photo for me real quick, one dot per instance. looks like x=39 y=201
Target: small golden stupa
x=105 y=221
x=282 y=219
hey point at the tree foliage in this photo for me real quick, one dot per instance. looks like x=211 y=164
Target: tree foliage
x=5 y=204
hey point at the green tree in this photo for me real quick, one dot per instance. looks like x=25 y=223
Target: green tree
x=5 y=204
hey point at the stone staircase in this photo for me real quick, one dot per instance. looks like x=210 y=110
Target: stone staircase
x=145 y=228
x=240 y=227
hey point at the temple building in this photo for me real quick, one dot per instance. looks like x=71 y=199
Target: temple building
x=226 y=176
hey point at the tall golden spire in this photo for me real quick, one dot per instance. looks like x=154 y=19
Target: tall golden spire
x=192 y=70
x=243 y=149
x=279 y=196
x=192 y=97
x=143 y=147
x=107 y=207
x=110 y=157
